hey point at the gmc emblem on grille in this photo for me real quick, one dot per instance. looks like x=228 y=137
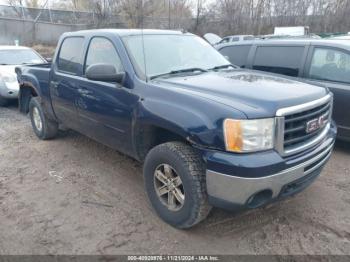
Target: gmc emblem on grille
x=315 y=124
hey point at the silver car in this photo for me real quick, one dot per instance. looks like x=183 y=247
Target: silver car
x=10 y=57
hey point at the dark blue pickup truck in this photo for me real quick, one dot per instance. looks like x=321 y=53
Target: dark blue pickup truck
x=208 y=133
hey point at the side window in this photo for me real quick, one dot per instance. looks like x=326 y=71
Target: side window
x=70 y=56
x=330 y=64
x=101 y=50
x=237 y=54
x=284 y=60
x=249 y=37
x=225 y=40
x=235 y=39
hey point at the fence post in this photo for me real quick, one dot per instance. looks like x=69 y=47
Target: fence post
x=50 y=15
x=22 y=9
x=169 y=11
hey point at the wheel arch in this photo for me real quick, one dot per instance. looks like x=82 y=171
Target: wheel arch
x=150 y=135
x=26 y=91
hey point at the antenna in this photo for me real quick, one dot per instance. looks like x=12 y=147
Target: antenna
x=143 y=41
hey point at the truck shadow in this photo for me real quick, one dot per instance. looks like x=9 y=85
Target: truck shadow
x=343 y=146
x=12 y=104
x=219 y=222
x=118 y=165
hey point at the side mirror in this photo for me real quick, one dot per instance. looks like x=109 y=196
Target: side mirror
x=48 y=59
x=104 y=73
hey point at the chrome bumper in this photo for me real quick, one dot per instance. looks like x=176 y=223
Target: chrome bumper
x=239 y=190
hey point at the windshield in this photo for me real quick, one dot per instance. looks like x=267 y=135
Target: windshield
x=18 y=57
x=167 y=53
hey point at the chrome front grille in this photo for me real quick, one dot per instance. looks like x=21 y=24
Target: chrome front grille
x=303 y=126
x=295 y=125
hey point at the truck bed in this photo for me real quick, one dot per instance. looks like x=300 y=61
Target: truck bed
x=38 y=73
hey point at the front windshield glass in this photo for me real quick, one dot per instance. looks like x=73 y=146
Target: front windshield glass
x=166 y=53
x=19 y=57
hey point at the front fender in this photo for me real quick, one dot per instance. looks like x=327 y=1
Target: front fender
x=198 y=123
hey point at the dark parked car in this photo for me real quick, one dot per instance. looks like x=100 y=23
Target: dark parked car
x=321 y=62
x=209 y=134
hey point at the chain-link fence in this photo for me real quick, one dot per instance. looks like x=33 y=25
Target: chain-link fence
x=44 y=26
x=90 y=18
x=47 y=15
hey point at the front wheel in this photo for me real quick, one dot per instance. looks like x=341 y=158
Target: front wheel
x=175 y=183
x=43 y=127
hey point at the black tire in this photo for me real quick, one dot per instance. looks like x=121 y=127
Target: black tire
x=3 y=101
x=191 y=169
x=49 y=128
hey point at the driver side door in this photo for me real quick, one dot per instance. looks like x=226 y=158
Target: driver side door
x=105 y=108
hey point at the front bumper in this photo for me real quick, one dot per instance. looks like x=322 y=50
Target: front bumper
x=9 y=92
x=249 y=181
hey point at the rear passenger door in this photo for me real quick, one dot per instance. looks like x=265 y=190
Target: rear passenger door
x=236 y=54
x=64 y=80
x=330 y=67
x=280 y=59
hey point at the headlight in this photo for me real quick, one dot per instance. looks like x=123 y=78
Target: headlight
x=249 y=135
x=9 y=79
x=2 y=83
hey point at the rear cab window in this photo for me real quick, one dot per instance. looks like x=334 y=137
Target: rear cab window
x=284 y=60
x=237 y=54
x=70 y=55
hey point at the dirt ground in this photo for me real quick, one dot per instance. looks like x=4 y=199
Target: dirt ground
x=72 y=195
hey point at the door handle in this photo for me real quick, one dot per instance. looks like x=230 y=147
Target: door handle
x=54 y=84
x=84 y=91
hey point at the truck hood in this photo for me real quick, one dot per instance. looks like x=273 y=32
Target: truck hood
x=255 y=94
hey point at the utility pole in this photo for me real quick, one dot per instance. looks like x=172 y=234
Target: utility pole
x=198 y=14
x=169 y=11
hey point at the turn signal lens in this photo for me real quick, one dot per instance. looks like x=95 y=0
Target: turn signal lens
x=233 y=135
x=249 y=135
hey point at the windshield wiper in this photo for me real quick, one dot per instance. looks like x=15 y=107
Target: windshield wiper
x=222 y=67
x=180 y=71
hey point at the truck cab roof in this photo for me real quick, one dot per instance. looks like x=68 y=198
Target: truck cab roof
x=127 y=32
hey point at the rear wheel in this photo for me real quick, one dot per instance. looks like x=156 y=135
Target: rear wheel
x=43 y=127
x=175 y=183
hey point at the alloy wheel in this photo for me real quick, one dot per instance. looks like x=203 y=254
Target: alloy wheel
x=169 y=187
